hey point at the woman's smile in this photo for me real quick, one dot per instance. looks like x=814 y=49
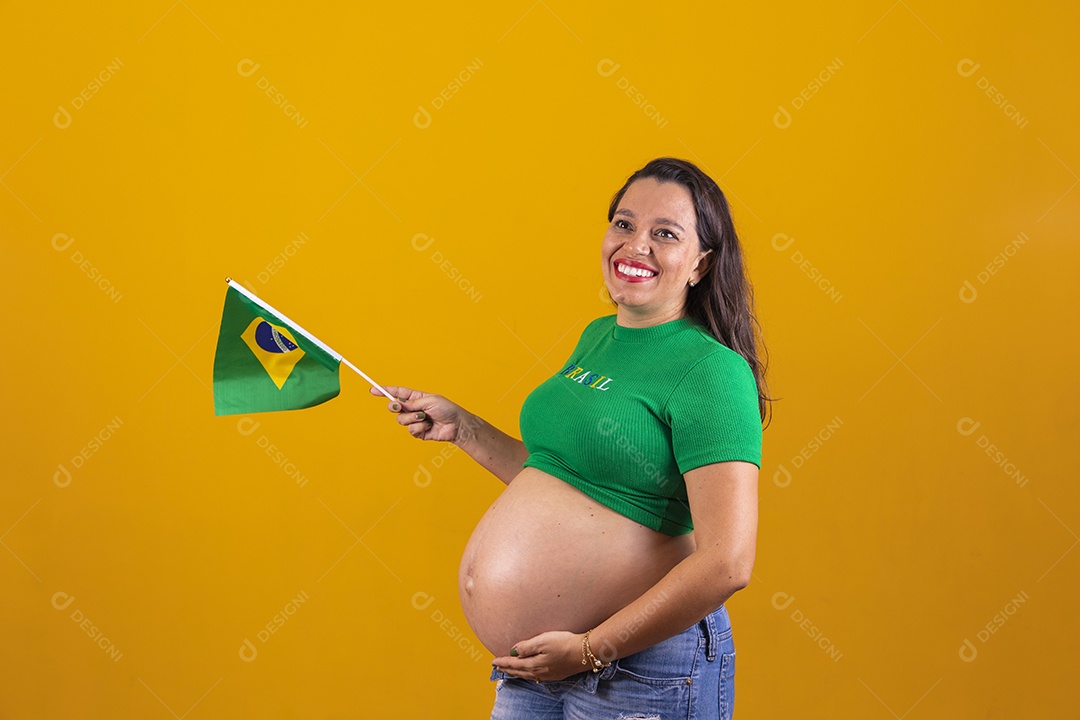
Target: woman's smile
x=633 y=271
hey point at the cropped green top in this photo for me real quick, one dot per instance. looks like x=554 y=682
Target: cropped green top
x=632 y=409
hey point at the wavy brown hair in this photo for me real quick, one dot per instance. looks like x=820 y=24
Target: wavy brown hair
x=723 y=301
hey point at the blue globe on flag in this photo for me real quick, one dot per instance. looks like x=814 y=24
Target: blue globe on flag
x=271 y=339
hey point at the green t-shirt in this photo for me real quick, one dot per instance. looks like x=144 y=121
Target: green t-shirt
x=632 y=409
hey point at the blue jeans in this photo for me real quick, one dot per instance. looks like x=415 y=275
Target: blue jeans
x=690 y=675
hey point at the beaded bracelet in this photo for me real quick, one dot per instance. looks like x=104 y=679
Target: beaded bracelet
x=587 y=656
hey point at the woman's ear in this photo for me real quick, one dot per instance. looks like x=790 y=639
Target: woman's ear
x=702 y=266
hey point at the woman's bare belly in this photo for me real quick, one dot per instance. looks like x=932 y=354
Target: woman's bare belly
x=545 y=556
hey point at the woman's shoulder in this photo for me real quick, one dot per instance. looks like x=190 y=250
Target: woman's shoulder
x=594 y=332
x=707 y=348
x=602 y=324
x=699 y=336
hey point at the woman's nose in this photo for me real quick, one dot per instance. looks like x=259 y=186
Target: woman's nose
x=639 y=244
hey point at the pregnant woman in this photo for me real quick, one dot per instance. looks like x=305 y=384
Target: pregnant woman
x=598 y=577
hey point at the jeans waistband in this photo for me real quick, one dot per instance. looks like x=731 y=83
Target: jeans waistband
x=715 y=627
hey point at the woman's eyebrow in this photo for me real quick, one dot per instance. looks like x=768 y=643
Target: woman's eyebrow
x=661 y=221
x=672 y=223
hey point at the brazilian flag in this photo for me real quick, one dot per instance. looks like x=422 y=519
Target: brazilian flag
x=266 y=362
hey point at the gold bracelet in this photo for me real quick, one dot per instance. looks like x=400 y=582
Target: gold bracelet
x=587 y=656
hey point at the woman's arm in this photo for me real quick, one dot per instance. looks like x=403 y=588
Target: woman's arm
x=500 y=454
x=433 y=417
x=723 y=503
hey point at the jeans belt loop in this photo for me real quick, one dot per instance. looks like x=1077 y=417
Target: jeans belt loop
x=592 y=679
x=711 y=640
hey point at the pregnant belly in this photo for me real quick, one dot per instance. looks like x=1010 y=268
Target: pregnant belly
x=545 y=556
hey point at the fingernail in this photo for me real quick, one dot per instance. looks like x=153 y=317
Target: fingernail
x=395 y=407
x=513 y=652
x=420 y=416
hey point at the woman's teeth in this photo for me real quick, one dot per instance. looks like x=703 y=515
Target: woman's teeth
x=634 y=271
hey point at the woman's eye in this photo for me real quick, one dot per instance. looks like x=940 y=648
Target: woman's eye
x=670 y=235
x=621 y=224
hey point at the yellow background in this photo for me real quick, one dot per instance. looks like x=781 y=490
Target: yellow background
x=889 y=539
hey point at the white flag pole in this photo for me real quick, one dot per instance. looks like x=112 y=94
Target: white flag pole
x=319 y=343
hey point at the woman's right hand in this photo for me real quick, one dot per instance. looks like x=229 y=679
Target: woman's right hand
x=427 y=416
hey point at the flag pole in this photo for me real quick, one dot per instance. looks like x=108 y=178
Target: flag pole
x=361 y=373
x=374 y=384
x=336 y=355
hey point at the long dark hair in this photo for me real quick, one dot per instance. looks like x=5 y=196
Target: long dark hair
x=723 y=301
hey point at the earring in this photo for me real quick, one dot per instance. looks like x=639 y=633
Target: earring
x=692 y=283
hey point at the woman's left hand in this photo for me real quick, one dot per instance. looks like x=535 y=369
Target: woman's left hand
x=552 y=655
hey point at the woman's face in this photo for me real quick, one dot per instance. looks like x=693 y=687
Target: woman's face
x=651 y=251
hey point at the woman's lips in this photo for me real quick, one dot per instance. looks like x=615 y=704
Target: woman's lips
x=642 y=271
